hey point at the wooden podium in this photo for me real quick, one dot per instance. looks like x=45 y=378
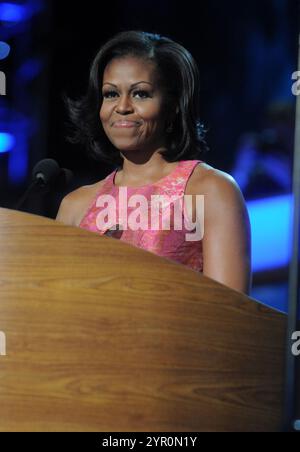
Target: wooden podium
x=102 y=336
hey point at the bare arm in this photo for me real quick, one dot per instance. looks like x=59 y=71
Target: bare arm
x=75 y=204
x=227 y=233
x=67 y=209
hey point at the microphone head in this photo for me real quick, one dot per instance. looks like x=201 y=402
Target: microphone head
x=46 y=176
x=50 y=177
x=46 y=171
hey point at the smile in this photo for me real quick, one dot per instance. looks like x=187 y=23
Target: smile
x=125 y=124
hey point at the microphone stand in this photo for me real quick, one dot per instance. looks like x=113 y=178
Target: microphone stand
x=46 y=181
x=28 y=191
x=292 y=376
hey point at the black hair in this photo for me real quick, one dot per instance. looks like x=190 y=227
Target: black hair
x=180 y=75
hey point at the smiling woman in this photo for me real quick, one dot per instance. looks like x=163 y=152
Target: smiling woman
x=170 y=72
x=134 y=116
x=141 y=113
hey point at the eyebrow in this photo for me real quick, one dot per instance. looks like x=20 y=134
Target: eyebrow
x=134 y=84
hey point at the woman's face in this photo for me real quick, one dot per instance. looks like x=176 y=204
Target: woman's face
x=133 y=108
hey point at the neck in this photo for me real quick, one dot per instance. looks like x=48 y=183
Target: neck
x=138 y=167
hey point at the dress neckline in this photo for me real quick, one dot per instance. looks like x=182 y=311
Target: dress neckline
x=174 y=170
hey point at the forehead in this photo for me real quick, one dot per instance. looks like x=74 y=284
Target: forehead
x=129 y=69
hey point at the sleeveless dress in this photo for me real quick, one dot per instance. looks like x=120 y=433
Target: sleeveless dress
x=117 y=211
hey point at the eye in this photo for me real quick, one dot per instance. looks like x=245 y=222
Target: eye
x=142 y=93
x=111 y=94
x=107 y=94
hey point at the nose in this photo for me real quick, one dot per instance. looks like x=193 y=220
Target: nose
x=124 y=106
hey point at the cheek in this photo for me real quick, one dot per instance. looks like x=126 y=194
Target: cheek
x=151 y=111
x=102 y=113
x=105 y=111
x=104 y=120
x=154 y=117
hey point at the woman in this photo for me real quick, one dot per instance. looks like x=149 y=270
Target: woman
x=141 y=113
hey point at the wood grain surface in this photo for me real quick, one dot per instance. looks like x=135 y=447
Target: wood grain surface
x=103 y=336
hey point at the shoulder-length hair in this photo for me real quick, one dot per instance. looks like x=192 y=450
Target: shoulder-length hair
x=179 y=74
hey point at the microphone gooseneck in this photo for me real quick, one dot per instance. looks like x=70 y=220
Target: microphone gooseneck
x=46 y=174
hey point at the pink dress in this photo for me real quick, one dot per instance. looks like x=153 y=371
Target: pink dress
x=111 y=213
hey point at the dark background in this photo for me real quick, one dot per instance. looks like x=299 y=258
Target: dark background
x=246 y=52
x=243 y=49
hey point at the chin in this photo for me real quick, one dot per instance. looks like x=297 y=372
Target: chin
x=127 y=146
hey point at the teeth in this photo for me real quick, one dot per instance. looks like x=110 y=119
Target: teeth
x=125 y=122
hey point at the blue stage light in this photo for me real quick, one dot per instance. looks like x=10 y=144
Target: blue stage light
x=4 y=50
x=18 y=163
x=29 y=70
x=12 y=12
x=7 y=142
x=271 y=225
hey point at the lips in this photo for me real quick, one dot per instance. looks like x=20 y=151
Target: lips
x=125 y=124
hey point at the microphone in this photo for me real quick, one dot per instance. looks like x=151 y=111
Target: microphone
x=114 y=232
x=46 y=175
x=45 y=172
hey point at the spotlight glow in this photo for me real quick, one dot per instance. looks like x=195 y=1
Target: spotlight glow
x=12 y=12
x=4 y=50
x=7 y=142
x=271 y=226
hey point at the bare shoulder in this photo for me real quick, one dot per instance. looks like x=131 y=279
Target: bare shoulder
x=223 y=198
x=227 y=236
x=75 y=203
x=82 y=192
x=211 y=181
